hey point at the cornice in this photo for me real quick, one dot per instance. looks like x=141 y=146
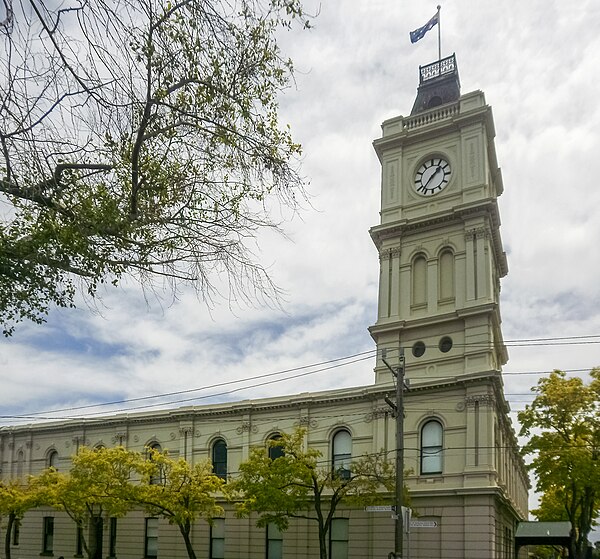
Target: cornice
x=452 y=122
x=367 y=393
x=391 y=325
x=459 y=213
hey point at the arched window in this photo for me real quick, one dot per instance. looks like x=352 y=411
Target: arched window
x=446 y=272
x=432 y=436
x=275 y=451
x=20 y=463
x=219 y=458
x=53 y=459
x=341 y=446
x=155 y=479
x=419 y=280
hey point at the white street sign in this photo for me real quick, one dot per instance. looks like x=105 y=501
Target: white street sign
x=423 y=524
x=380 y=508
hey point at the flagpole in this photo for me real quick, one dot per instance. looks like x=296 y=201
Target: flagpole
x=439 y=34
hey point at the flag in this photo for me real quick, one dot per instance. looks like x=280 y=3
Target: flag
x=419 y=33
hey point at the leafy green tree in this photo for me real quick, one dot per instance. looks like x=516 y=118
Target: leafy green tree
x=179 y=492
x=99 y=483
x=297 y=485
x=142 y=138
x=563 y=426
x=16 y=498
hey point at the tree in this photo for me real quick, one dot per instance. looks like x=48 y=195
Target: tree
x=563 y=424
x=140 y=137
x=99 y=483
x=16 y=498
x=179 y=492
x=295 y=485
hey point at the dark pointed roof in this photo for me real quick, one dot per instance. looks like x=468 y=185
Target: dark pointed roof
x=438 y=84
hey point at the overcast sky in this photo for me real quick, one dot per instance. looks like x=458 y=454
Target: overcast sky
x=537 y=63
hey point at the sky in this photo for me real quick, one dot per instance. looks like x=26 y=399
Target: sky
x=536 y=62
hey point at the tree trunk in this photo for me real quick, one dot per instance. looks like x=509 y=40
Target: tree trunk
x=185 y=532
x=9 y=528
x=94 y=550
x=322 y=541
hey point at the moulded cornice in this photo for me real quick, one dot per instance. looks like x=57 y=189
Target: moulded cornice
x=364 y=393
x=488 y=208
x=455 y=120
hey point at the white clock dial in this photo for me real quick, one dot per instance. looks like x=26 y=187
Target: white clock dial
x=432 y=176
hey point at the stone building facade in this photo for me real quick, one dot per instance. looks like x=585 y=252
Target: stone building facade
x=441 y=261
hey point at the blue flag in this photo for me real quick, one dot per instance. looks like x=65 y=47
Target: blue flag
x=418 y=34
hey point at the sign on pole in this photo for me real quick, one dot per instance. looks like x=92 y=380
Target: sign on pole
x=380 y=508
x=423 y=524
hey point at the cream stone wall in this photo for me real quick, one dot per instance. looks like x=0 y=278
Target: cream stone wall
x=452 y=498
x=441 y=260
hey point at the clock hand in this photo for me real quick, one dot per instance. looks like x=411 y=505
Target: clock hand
x=439 y=168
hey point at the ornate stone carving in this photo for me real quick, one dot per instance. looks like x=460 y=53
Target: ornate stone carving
x=172 y=436
x=481 y=399
x=246 y=427
x=392 y=181
x=119 y=437
x=306 y=422
x=185 y=430
x=377 y=413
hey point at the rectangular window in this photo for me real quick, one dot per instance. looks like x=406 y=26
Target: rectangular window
x=79 y=542
x=16 y=531
x=48 y=535
x=217 y=539
x=151 y=538
x=274 y=542
x=112 y=537
x=338 y=539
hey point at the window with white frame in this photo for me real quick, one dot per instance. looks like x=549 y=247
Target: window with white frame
x=432 y=438
x=274 y=542
x=79 y=541
x=219 y=458
x=20 y=463
x=151 y=538
x=155 y=479
x=112 y=537
x=53 y=459
x=217 y=539
x=341 y=446
x=275 y=451
x=338 y=539
x=48 y=535
x=16 y=532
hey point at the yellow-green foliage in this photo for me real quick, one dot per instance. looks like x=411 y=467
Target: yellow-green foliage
x=563 y=426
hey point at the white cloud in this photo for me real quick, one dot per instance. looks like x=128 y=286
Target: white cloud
x=536 y=63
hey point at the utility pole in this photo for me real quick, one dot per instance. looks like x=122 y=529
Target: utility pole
x=398 y=411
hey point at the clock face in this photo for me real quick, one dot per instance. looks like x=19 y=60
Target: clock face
x=433 y=176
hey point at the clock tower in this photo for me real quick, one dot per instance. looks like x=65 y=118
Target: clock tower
x=440 y=251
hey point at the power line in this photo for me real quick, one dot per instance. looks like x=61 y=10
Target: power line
x=338 y=362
